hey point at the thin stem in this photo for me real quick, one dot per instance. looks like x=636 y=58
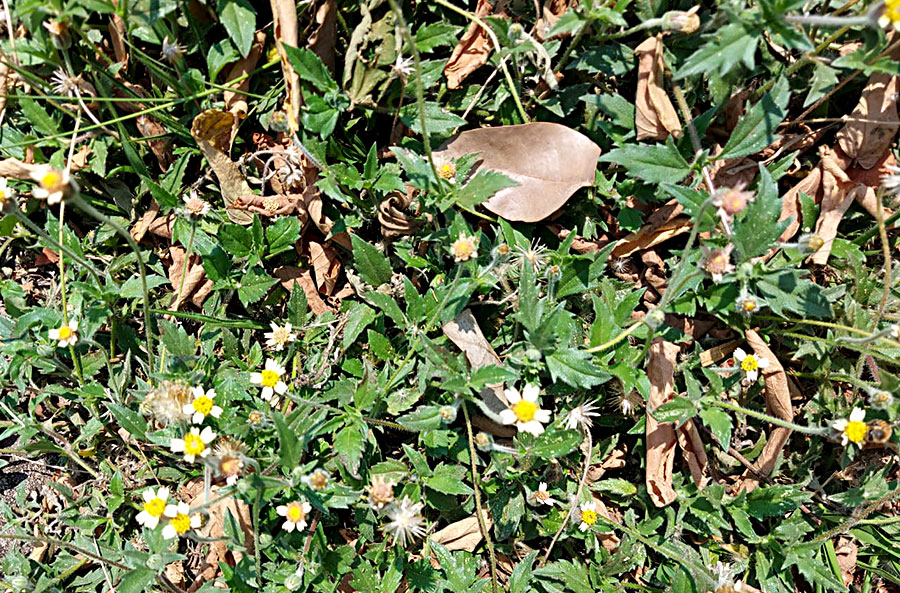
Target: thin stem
x=854 y=520
x=64 y=544
x=610 y=343
x=695 y=230
x=818 y=431
x=59 y=247
x=142 y=270
x=886 y=253
x=821 y=20
x=479 y=511
x=581 y=483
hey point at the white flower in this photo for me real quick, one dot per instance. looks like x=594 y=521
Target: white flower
x=280 y=336
x=65 y=335
x=464 y=248
x=524 y=411
x=406 y=522
x=717 y=262
x=533 y=254
x=294 y=514
x=194 y=206
x=7 y=195
x=202 y=406
x=180 y=520
x=446 y=169
x=403 y=67
x=171 y=52
x=154 y=507
x=542 y=496
x=270 y=379
x=194 y=444
x=854 y=429
x=750 y=364
x=53 y=185
x=581 y=415
x=381 y=492
x=588 y=515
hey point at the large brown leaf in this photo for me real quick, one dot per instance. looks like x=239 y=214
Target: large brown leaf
x=468 y=337
x=473 y=49
x=464 y=534
x=212 y=131
x=549 y=161
x=654 y=115
x=661 y=438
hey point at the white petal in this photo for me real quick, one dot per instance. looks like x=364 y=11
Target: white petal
x=53 y=334
x=256 y=378
x=171 y=510
x=271 y=365
x=542 y=416
x=280 y=388
x=531 y=393
x=207 y=435
x=184 y=508
x=857 y=415
x=763 y=363
x=150 y=521
x=148 y=495
x=142 y=517
x=542 y=486
x=739 y=354
x=190 y=458
x=507 y=416
x=289 y=526
x=752 y=376
x=197 y=391
x=306 y=507
x=583 y=527
x=267 y=393
x=840 y=425
x=533 y=426
x=169 y=532
x=197 y=418
x=177 y=445
x=216 y=411
x=196 y=521
x=281 y=510
x=301 y=525
x=73 y=325
x=187 y=409
x=512 y=395
x=162 y=493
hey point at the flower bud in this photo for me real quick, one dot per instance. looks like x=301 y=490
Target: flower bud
x=655 y=318
x=810 y=242
x=484 y=441
x=681 y=21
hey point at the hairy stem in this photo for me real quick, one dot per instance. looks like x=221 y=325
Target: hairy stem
x=479 y=510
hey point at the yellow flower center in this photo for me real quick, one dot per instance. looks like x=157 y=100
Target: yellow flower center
x=269 y=378
x=749 y=305
x=65 y=332
x=203 y=405
x=295 y=512
x=50 y=179
x=318 y=480
x=155 y=507
x=524 y=410
x=181 y=523
x=589 y=517
x=463 y=249
x=193 y=444
x=254 y=417
x=749 y=364
x=856 y=431
x=542 y=495
x=447 y=171
x=892 y=10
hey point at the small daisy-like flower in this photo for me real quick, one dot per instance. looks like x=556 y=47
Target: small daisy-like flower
x=194 y=444
x=464 y=248
x=280 y=336
x=166 y=402
x=717 y=262
x=810 y=242
x=502 y=251
x=854 y=429
x=407 y=524
x=524 y=411
x=270 y=379
x=401 y=69
x=229 y=455
x=53 y=185
x=294 y=514
x=747 y=304
x=533 y=254
x=63 y=84
x=554 y=272
x=891 y=15
x=750 y=364
x=446 y=170
x=541 y=496
x=180 y=520
x=154 y=506
x=484 y=441
x=381 y=492
x=588 y=515
x=255 y=418
x=65 y=335
x=195 y=207
x=171 y=52
x=318 y=480
x=447 y=414
x=880 y=399
x=731 y=201
x=580 y=416
x=202 y=406
x=7 y=196
x=682 y=21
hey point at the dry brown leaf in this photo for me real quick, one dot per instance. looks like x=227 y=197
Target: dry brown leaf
x=646 y=238
x=654 y=115
x=790 y=203
x=661 y=438
x=235 y=100
x=16 y=169
x=285 y=30
x=735 y=173
x=269 y=206
x=838 y=192
x=290 y=275
x=551 y=12
x=473 y=49
x=326 y=265
x=322 y=40
x=212 y=131
x=867 y=141
x=872 y=179
x=161 y=147
x=117 y=37
x=466 y=334
x=214 y=528
x=549 y=161
x=5 y=78
x=196 y=285
x=846 y=551
x=778 y=404
x=464 y=534
x=694 y=452
x=609 y=540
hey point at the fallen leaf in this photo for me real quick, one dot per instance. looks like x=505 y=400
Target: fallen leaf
x=464 y=534
x=778 y=404
x=322 y=40
x=214 y=529
x=661 y=438
x=290 y=275
x=474 y=47
x=654 y=115
x=16 y=169
x=790 y=203
x=465 y=333
x=196 y=285
x=393 y=217
x=285 y=30
x=212 y=131
x=551 y=12
x=838 y=192
x=235 y=100
x=648 y=237
x=866 y=141
x=117 y=38
x=609 y=540
x=694 y=452
x=270 y=206
x=326 y=265
x=549 y=162
x=46 y=257
x=161 y=147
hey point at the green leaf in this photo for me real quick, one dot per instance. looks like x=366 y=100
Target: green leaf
x=128 y=419
x=236 y=240
x=163 y=197
x=283 y=234
x=556 y=443
x=436 y=35
x=616 y=486
x=289 y=449
x=437 y=119
x=311 y=68
x=137 y=580
x=520 y=579
x=678 y=411
x=38 y=116
x=574 y=367
x=726 y=47
x=348 y=444
x=719 y=423
x=388 y=305
x=373 y=266
x=786 y=290
x=757 y=229
x=756 y=128
x=482 y=186
x=254 y=285
x=448 y=479
x=239 y=19
x=422 y=418
x=359 y=317
x=653 y=164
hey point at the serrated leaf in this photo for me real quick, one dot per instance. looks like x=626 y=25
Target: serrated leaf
x=436 y=35
x=236 y=240
x=128 y=419
x=359 y=317
x=756 y=128
x=437 y=119
x=254 y=285
x=757 y=229
x=678 y=411
x=556 y=443
x=282 y=235
x=289 y=449
x=422 y=418
x=348 y=444
x=239 y=19
x=372 y=265
x=448 y=479
x=310 y=68
x=574 y=367
x=719 y=423
x=654 y=164
x=389 y=306
x=481 y=187
x=726 y=47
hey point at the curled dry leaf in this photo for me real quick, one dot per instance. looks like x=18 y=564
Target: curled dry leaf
x=117 y=39
x=284 y=26
x=549 y=161
x=871 y=178
x=322 y=40
x=214 y=529
x=464 y=534
x=609 y=540
x=473 y=49
x=16 y=169
x=866 y=141
x=650 y=236
x=790 y=203
x=778 y=404
x=393 y=218
x=846 y=552
x=661 y=436
x=212 y=131
x=269 y=206
x=159 y=143
x=196 y=285
x=466 y=334
x=694 y=452
x=654 y=115
x=235 y=100
x=290 y=275
x=838 y=192
x=326 y=265
x=551 y=12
